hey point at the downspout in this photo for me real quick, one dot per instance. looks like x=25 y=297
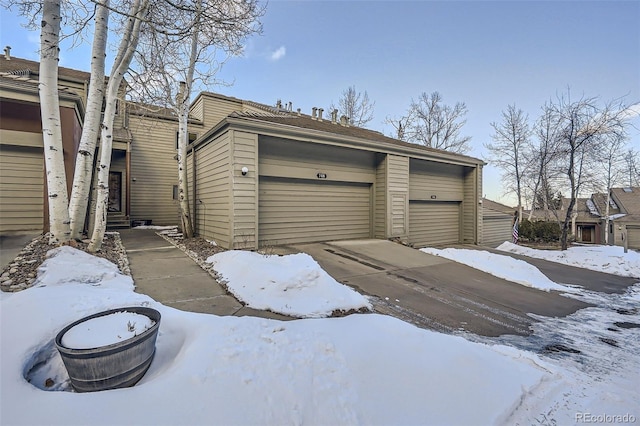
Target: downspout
x=128 y=169
x=194 y=198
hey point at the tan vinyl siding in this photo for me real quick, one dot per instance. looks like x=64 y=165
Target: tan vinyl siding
x=435 y=181
x=300 y=211
x=301 y=160
x=434 y=223
x=197 y=110
x=380 y=209
x=633 y=234
x=215 y=109
x=213 y=188
x=245 y=189
x=155 y=170
x=496 y=229
x=398 y=195
x=471 y=208
x=21 y=188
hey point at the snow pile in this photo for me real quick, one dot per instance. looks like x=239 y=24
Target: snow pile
x=609 y=259
x=69 y=265
x=360 y=369
x=292 y=285
x=505 y=267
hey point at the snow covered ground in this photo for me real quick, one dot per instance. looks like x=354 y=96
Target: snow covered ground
x=293 y=285
x=517 y=271
x=609 y=259
x=360 y=369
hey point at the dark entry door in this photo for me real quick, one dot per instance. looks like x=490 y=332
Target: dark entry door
x=115 y=191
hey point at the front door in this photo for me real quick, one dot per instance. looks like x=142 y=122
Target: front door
x=115 y=191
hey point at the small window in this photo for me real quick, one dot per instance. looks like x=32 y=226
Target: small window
x=192 y=138
x=175 y=192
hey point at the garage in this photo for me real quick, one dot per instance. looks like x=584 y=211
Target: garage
x=433 y=223
x=633 y=234
x=496 y=229
x=301 y=211
x=21 y=189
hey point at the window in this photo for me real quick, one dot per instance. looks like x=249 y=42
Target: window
x=175 y=192
x=192 y=138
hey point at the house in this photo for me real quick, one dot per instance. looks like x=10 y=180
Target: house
x=23 y=201
x=263 y=175
x=624 y=215
x=497 y=223
x=150 y=132
x=589 y=220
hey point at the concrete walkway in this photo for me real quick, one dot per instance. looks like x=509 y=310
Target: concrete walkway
x=165 y=273
x=11 y=244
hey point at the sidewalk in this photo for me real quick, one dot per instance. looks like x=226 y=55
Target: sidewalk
x=165 y=273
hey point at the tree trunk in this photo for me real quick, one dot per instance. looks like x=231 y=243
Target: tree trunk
x=57 y=194
x=183 y=137
x=84 y=161
x=126 y=50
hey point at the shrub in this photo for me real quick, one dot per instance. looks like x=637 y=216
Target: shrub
x=539 y=231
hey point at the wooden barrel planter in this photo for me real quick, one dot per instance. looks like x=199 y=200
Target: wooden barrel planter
x=111 y=366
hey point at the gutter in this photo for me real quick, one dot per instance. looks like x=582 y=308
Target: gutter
x=315 y=136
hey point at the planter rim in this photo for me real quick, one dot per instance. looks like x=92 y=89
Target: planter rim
x=142 y=310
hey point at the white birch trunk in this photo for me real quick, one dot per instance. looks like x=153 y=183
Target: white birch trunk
x=183 y=137
x=121 y=64
x=607 y=213
x=57 y=194
x=184 y=94
x=84 y=162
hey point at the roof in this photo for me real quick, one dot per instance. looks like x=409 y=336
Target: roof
x=628 y=199
x=304 y=121
x=488 y=204
x=581 y=208
x=25 y=67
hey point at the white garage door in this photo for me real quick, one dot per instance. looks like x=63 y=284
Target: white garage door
x=633 y=233
x=434 y=223
x=299 y=211
x=21 y=189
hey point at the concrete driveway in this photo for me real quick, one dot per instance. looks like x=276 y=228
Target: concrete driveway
x=436 y=293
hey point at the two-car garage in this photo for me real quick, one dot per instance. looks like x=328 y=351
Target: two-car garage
x=285 y=178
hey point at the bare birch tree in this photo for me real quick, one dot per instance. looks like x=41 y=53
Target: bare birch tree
x=57 y=195
x=355 y=105
x=126 y=49
x=174 y=61
x=511 y=138
x=541 y=155
x=610 y=166
x=78 y=203
x=581 y=128
x=632 y=168
x=435 y=125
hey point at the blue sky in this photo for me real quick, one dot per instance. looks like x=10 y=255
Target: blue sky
x=486 y=54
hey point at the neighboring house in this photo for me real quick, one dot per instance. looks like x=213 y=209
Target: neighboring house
x=589 y=220
x=624 y=214
x=23 y=201
x=497 y=226
x=262 y=175
x=585 y=225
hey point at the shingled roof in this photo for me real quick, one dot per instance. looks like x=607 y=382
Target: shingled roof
x=27 y=68
x=304 y=121
x=629 y=201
